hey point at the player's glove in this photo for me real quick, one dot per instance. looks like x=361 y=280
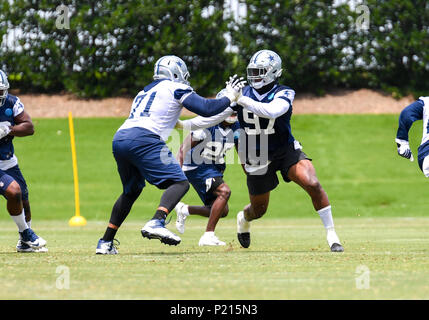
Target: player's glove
x=234 y=87
x=404 y=149
x=4 y=129
x=179 y=124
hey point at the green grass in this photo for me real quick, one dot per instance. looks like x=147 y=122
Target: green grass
x=379 y=200
x=288 y=259
x=354 y=155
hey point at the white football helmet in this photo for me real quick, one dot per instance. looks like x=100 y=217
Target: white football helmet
x=264 y=67
x=4 y=86
x=171 y=67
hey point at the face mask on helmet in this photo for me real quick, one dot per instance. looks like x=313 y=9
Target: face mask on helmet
x=4 y=86
x=173 y=68
x=264 y=68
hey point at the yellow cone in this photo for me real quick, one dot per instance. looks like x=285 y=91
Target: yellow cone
x=77 y=221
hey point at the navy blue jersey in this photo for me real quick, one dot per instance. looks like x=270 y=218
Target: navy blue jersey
x=215 y=142
x=276 y=133
x=8 y=111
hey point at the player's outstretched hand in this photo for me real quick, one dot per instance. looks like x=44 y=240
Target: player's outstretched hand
x=234 y=87
x=4 y=129
x=404 y=149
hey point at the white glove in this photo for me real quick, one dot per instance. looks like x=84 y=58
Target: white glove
x=404 y=149
x=4 y=129
x=234 y=87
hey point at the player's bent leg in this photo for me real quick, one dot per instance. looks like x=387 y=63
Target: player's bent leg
x=222 y=193
x=256 y=209
x=303 y=173
x=155 y=228
x=15 y=208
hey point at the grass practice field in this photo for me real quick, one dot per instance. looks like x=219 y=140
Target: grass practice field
x=379 y=200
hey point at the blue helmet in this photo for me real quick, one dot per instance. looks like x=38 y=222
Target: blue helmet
x=4 y=86
x=171 y=67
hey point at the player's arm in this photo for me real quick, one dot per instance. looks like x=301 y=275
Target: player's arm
x=271 y=110
x=210 y=107
x=408 y=116
x=187 y=145
x=241 y=160
x=205 y=122
x=23 y=125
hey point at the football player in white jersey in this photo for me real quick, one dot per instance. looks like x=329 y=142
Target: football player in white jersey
x=418 y=110
x=16 y=122
x=141 y=153
x=264 y=113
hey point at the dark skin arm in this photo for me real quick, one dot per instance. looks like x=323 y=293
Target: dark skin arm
x=23 y=126
x=242 y=164
x=187 y=145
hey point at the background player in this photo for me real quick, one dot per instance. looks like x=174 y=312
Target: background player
x=15 y=122
x=202 y=157
x=417 y=110
x=264 y=112
x=141 y=153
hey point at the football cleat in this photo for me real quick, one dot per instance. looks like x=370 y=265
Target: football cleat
x=209 y=239
x=23 y=247
x=107 y=247
x=334 y=241
x=336 y=247
x=243 y=230
x=31 y=239
x=155 y=229
x=181 y=217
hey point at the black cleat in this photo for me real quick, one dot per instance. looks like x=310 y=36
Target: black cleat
x=164 y=240
x=336 y=247
x=244 y=239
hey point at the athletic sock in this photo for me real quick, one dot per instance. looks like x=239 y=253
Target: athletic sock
x=29 y=223
x=110 y=233
x=20 y=221
x=160 y=215
x=326 y=216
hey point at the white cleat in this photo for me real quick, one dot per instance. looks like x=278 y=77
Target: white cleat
x=209 y=239
x=23 y=247
x=243 y=230
x=181 y=217
x=31 y=239
x=333 y=241
x=107 y=247
x=155 y=229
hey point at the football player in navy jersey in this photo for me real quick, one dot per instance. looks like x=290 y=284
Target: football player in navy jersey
x=202 y=157
x=264 y=112
x=142 y=155
x=15 y=122
x=418 y=110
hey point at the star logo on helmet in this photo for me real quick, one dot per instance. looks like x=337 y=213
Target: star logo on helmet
x=179 y=64
x=271 y=58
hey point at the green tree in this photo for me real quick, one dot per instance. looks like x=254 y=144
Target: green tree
x=310 y=36
x=395 y=49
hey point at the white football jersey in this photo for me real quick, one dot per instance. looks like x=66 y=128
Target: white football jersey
x=425 y=136
x=157 y=107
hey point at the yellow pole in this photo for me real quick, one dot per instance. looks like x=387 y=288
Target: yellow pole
x=77 y=220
